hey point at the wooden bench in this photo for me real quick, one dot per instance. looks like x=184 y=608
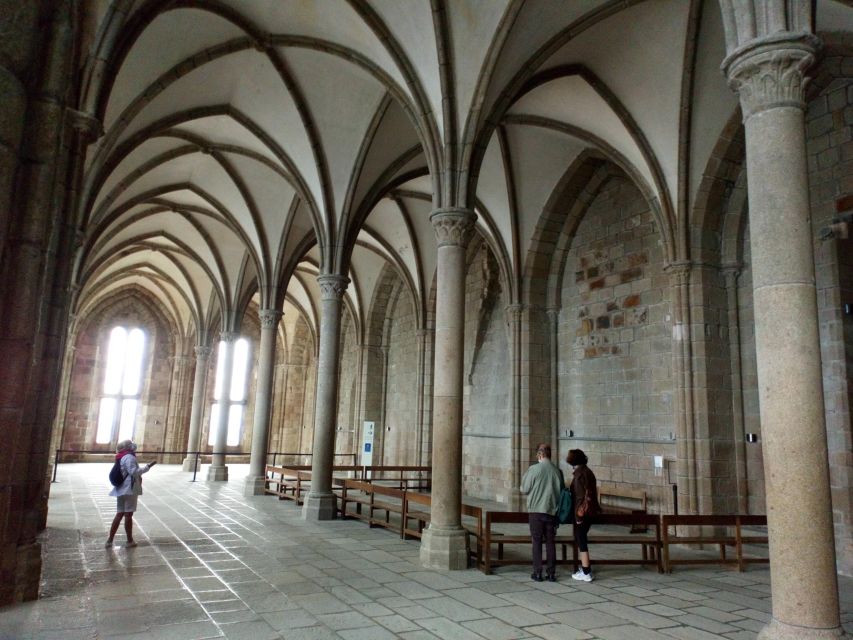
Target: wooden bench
x=493 y=537
x=622 y=499
x=376 y=511
x=720 y=530
x=290 y=484
x=472 y=522
x=414 y=512
x=650 y=545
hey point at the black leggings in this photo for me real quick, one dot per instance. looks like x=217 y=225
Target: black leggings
x=580 y=534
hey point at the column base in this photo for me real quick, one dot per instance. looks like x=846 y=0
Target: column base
x=189 y=464
x=444 y=548
x=27 y=572
x=217 y=474
x=776 y=630
x=320 y=506
x=254 y=486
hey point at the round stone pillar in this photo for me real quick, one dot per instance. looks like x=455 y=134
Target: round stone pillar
x=443 y=542
x=202 y=355
x=218 y=470
x=263 y=403
x=320 y=503
x=769 y=74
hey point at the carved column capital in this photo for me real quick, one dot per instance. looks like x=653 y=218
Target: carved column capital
x=202 y=352
x=679 y=271
x=229 y=336
x=269 y=318
x=87 y=126
x=770 y=72
x=553 y=314
x=332 y=287
x=514 y=312
x=180 y=360
x=731 y=271
x=453 y=227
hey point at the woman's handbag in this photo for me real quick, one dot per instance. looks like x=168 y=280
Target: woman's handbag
x=585 y=507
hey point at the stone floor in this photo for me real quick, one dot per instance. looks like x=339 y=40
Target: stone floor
x=212 y=564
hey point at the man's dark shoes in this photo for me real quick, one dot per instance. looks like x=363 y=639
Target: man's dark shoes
x=536 y=577
x=551 y=577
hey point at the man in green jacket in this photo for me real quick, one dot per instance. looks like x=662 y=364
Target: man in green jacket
x=542 y=483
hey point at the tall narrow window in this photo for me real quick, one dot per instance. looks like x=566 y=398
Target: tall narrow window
x=235 y=402
x=122 y=385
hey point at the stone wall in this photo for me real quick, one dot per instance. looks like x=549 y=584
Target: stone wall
x=615 y=344
x=89 y=367
x=749 y=386
x=346 y=427
x=401 y=396
x=829 y=128
x=292 y=419
x=486 y=437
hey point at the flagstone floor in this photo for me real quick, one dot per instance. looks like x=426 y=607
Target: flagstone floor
x=214 y=564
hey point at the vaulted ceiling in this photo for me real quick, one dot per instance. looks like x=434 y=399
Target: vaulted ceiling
x=249 y=146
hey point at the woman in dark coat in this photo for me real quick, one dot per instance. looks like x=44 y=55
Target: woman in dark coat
x=585 y=501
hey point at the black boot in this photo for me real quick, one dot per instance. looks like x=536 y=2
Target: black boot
x=536 y=577
x=551 y=577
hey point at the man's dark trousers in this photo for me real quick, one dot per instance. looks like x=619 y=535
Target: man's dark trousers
x=543 y=525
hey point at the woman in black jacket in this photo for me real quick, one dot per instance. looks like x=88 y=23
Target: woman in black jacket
x=585 y=501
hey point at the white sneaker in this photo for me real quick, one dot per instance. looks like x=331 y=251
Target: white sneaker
x=583 y=577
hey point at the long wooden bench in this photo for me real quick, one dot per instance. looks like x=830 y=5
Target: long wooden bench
x=415 y=514
x=287 y=483
x=650 y=544
x=720 y=530
x=622 y=499
x=374 y=503
x=492 y=537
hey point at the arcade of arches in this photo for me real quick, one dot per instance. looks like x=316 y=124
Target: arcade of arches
x=619 y=226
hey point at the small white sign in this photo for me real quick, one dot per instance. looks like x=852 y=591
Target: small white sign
x=367 y=443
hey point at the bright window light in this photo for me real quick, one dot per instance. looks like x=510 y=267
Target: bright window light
x=236 y=401
x=122 y=385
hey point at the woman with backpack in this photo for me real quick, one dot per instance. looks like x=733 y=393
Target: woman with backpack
x=128 y=490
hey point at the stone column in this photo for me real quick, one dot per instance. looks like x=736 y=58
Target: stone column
x=443 y=542
x=218 y=470
x=769 y=74
x=202 y=355
x=520 y=437
x=682 y=359
x=176 y=412
x=320 y=503
x=263 y=403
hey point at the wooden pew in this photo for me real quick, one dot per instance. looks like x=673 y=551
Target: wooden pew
x=291 y=484
x=622 y=499
x=493 y=537
x=414 y=512
x=720 y=530
x=650 y=545
x=472 y=522
x=376 y=511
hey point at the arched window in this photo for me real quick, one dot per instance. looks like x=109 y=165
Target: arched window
x=235 y=403
x=122 y=385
